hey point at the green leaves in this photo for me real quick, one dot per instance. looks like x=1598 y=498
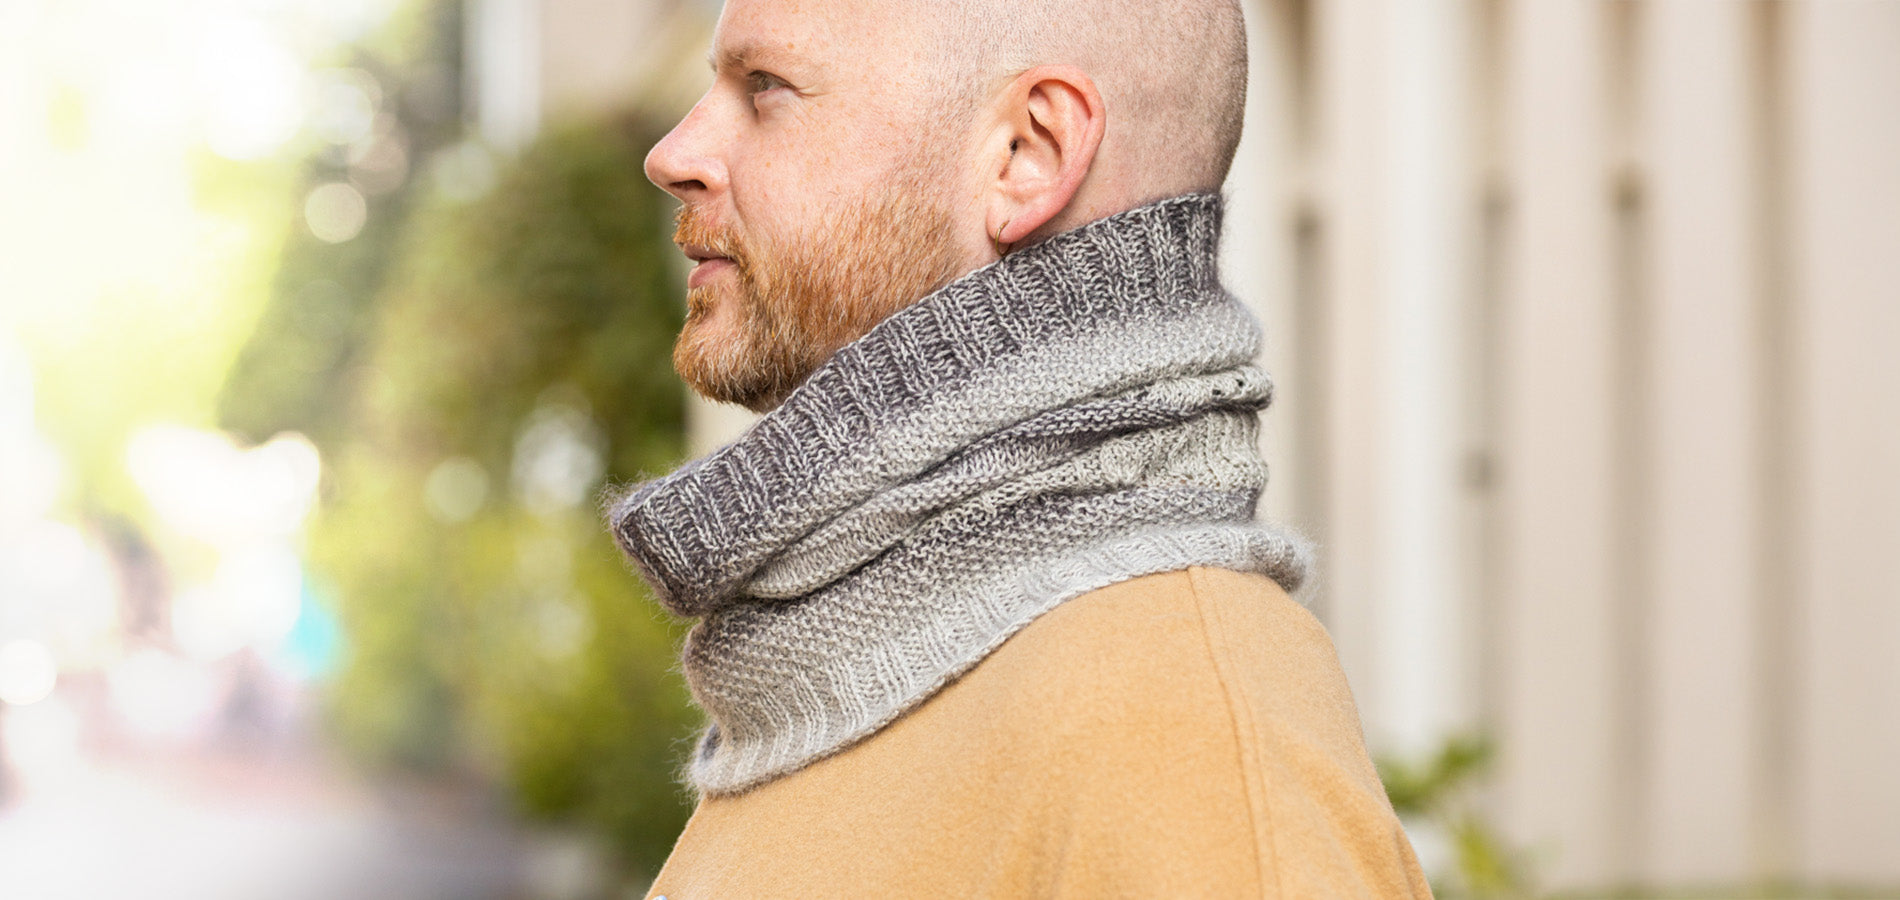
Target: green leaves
x=1437 y=792
x=1420 y=789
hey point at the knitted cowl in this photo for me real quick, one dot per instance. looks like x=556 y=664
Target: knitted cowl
x=1080 y=413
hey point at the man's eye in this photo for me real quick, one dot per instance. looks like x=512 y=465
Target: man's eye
x=760 y=82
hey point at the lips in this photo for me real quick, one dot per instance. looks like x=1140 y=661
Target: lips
x=706 y=263
x=707 y=246
x=698 y=253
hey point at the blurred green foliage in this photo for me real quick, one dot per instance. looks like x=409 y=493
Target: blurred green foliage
x=1437 y=791
x=299 y=374
x=492 y=347
x=518 y=635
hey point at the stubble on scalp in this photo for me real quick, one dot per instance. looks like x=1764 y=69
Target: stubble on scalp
x=1172 y=73
x=800 y=301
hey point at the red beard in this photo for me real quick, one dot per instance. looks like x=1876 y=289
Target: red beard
x=753 y=339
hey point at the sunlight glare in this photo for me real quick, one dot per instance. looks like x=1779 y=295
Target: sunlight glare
x=27 y=673
x=252 y=86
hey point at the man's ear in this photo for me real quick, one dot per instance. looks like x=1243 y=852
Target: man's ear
x=1043 y=146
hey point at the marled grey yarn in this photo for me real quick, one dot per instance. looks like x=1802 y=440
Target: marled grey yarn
x=1078 y=414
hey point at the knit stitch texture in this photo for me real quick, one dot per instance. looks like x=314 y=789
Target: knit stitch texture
x=1078 y=414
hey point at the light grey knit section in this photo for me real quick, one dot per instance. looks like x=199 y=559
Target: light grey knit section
x=1080 y=413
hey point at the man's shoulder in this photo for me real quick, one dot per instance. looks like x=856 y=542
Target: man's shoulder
x=1213 y=694
x=1150 y=628
x=1200 y=648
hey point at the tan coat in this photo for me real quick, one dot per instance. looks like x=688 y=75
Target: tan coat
x=1188 y=734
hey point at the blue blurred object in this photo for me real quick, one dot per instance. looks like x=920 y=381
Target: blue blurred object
x=314 y=645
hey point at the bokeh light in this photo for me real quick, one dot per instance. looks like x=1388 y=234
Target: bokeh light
x=253 y=87
x=335 y=212
x=161 y=696
x=203 y=485
x=345 y=107
x=27 y=673
x=455 y=489
x=252 y=601
x=558 y=459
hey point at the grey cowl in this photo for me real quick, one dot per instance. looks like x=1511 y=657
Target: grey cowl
x=1080 y=413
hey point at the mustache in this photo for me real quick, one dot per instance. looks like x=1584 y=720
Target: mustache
x=691 y=227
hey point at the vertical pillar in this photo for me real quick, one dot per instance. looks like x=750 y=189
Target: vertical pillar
x=1702 y=444
x=1844 y=95
x=1395 y=202
x=1425 y=629
x=1559 y=723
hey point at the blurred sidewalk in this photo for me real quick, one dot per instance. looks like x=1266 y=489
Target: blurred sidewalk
x=248 y=826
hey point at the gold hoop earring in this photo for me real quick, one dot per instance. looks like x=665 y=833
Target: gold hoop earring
x=1002 y=249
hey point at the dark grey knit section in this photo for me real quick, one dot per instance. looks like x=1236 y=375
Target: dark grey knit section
x=1078 y=414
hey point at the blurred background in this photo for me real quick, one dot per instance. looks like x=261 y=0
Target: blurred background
x=324 y=322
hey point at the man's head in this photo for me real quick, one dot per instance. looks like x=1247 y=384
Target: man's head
x=853 y=155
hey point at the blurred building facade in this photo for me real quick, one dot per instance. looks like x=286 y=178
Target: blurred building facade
x=1581 y=314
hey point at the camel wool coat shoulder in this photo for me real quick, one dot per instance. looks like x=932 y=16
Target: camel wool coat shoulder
x=1187 y=734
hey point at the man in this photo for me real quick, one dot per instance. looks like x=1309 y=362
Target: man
x=984 y=611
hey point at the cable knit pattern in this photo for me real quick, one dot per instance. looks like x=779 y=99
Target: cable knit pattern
x=1080 y=413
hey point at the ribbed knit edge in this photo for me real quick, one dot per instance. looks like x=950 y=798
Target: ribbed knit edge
x=1216 y=546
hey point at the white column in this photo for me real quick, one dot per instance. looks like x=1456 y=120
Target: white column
x=1559 y=726
x=1703 y=444
x=1424 y=627
x=1398 y=208
x=1845 y=67
x=1353 y=130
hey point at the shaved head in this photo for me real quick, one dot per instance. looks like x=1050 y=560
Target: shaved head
x=1173 y=74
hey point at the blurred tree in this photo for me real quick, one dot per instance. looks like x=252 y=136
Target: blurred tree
x=524 y=345
x=473 y=364
x=385 y=110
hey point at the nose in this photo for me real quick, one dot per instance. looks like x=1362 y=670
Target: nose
x=687 y=162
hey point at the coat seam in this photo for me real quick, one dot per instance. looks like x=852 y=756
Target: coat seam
x=1250 y=775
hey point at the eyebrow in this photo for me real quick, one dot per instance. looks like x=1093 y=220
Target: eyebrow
x=744 y=56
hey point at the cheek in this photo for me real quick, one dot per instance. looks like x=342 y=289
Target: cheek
x=778 y=206
x=766 y=190
x=785 y=174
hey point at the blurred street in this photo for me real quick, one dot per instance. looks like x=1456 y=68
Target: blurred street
x=239 y=824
